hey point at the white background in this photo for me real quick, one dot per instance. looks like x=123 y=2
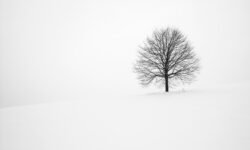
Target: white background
x=66 y=78
x=65 y=49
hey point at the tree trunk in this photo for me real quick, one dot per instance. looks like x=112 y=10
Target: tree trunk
x=166 y=83
x=166 y=76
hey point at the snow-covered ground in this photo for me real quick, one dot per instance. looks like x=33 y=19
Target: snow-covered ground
x=209 y=119
x=66 y=78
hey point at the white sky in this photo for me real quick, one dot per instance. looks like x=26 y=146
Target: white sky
x=57 y=49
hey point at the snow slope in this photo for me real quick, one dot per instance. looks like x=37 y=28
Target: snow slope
x=208 y=119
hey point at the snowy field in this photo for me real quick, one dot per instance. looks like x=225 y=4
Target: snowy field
x=67 y=80
x=211 y=119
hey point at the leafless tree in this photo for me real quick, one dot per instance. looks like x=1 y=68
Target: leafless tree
x=167 y=57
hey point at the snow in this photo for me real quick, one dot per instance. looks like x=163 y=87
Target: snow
x=66 y=78
x=216 y=118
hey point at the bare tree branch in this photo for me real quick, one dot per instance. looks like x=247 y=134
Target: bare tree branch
x=166 y=57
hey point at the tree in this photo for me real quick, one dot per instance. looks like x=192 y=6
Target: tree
x=167 y=57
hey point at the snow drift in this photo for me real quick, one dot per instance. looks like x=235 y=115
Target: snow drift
x=195 y=120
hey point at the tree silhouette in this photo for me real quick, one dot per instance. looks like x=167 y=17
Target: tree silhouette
x=166 y=57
